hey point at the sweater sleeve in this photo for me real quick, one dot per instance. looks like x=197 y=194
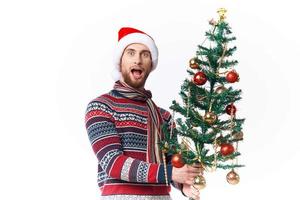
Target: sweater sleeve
x=107 y=147
x=168 y=119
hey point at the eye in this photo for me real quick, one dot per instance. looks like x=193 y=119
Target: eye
x=131 y=53
x=146 y=54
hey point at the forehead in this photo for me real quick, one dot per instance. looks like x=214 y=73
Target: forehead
x=137 y=47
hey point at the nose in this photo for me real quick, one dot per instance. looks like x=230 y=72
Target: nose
x=138 y=59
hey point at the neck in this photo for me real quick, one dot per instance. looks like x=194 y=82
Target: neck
x=138 y=88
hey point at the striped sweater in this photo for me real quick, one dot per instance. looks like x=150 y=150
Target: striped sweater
x=117 y=130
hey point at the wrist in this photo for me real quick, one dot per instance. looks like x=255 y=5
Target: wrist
x=174 y=175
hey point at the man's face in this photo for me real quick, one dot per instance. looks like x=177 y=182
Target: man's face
x=136 y=64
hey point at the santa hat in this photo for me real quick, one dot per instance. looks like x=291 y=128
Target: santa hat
x=129 y=36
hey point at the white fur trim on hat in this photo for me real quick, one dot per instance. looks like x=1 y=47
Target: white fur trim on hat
x=130 y=39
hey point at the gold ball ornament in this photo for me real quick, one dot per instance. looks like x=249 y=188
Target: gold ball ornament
x=238 y=135
x=233 y=178
x=199 y=182
x=193 y=63
x=210 y=117
x=220 y=89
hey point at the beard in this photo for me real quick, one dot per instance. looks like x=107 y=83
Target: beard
x=135 y=83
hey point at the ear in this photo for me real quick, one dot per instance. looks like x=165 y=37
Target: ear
x=120 y=64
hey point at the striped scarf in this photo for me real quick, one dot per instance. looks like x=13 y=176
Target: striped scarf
x=154 y=119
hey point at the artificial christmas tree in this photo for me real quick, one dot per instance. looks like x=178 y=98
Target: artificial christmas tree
x=208 y=130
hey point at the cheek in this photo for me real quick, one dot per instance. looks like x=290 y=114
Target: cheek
x=148 y=64
x=125 y=64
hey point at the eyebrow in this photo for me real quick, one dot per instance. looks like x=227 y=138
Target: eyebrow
x=141 y=51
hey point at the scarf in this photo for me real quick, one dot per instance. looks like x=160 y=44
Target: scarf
x=154 y=119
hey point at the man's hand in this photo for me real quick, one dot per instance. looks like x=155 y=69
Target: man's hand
x=191 y=192
x=186 y=174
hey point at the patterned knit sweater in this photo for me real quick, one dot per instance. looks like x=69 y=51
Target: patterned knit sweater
x=117 y=130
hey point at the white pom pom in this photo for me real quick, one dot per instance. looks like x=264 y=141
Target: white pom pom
x=115 y=74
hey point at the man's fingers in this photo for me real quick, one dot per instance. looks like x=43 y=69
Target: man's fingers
x=200 y=172
x=195 y=193
x=196 y=198
x=189 y=182
x=195 y=171
x=195 y=190
x=195 y=168
x=196 y=165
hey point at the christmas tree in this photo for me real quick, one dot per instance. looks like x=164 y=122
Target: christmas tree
x=208 y=130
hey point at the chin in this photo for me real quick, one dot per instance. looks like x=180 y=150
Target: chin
x=136 y=85
x=131 y=81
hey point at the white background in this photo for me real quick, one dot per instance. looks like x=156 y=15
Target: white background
x=55 y=56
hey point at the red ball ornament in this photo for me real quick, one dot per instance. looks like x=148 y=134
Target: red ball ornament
x=232 y=76
x=177 y=161
x=226 y=149
x=200 y=78
x=230 y=109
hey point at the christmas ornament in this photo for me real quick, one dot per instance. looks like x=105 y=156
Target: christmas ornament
x=232 y=76
x=200 y=78
x=210 y=117
x=165 y=147
x=226 y=149
x=220 y=140
x=238 y=135
x=233 y=178
x=213 y=22
x=193 y=63
x=230 y=109
x=199 y=182
x=220 y=89
x=177 y=161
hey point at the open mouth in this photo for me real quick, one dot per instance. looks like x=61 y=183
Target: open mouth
x=137 y=73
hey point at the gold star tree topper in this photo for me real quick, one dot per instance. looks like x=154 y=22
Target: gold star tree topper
x=222 y=12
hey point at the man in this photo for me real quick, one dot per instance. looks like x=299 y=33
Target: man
x=124 y=129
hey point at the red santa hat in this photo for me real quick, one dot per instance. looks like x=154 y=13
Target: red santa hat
x=127 y=36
